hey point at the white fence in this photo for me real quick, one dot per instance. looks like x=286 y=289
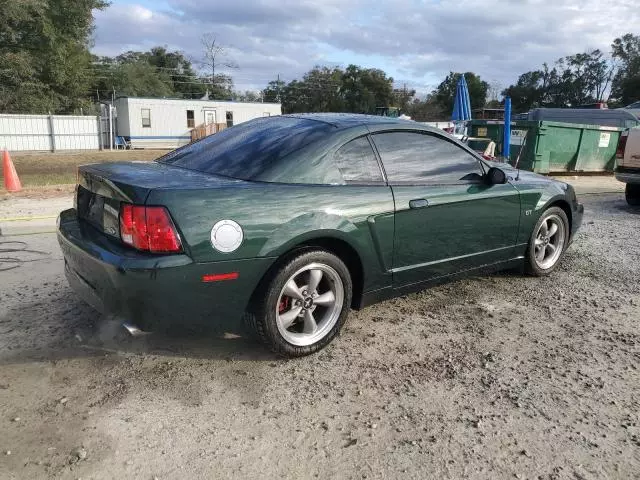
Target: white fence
x=49 y=132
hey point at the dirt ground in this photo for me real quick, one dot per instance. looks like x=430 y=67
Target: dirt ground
x=493 y=377
x=52 y=169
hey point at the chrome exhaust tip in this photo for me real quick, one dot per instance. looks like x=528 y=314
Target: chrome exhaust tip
x=133 y=330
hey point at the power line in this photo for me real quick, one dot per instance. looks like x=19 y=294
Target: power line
x=178 y=71
x=329 y=87
x=205 y=79
x=113 y=66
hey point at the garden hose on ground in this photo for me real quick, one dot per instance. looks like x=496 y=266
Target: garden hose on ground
x=18 y=247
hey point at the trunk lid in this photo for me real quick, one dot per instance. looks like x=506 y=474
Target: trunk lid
x=103 y=187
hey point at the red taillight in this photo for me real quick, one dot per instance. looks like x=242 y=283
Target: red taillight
x=161 y=232
x=133 y=226
x=622 y=144
x=149 y=229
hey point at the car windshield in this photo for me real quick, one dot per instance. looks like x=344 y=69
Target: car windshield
x=249 y=150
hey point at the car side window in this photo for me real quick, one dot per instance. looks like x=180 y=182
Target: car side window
x=357 y=162
x=423 y=158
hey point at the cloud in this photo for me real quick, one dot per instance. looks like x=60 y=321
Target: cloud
x=417 y=40
x=274 y=14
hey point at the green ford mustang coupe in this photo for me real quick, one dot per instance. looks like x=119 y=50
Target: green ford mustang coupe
x=285 y=223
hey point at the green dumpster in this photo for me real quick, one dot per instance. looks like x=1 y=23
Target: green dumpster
x=492 y=129
x=523 y=133
x=478 y=144
x=485 y=131
x=549 y=147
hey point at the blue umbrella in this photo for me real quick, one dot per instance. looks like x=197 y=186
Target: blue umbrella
x=461 y=104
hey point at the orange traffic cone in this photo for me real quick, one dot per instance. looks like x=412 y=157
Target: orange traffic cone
x=11 y=180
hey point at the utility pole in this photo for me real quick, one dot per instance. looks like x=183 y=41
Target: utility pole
x=278 y=90
x=213 y=73
x=110 y=126
x=111 y=129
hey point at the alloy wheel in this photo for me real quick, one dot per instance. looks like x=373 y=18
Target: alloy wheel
x=549 y=242
x=309 y=304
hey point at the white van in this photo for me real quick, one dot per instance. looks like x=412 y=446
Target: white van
x=628 y=164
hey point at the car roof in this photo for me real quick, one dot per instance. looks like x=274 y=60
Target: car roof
x=348 y=120
x=296 y=148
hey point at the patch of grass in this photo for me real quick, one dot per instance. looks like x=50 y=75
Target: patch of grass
x=44 y=179
x=42 y=169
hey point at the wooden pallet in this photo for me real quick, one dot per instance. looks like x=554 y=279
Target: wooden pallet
x=206 y=129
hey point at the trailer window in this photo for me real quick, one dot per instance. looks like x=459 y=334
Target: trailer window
x=229 y=119
x=191 y=119
x=146 y=117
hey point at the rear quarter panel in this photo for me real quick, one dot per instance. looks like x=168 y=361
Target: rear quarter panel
x=277 y=217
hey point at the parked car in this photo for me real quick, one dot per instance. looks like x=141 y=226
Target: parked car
x=628 y=164
x=286 y=223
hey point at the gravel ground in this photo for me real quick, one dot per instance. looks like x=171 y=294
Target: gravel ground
x=494 y=377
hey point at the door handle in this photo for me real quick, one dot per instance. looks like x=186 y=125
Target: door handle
x=419 y=203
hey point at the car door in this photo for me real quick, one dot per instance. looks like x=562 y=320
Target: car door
x=447 y=219
x=359 y=168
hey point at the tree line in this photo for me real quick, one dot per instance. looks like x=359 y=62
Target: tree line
x=583 y=78
x=46 y=66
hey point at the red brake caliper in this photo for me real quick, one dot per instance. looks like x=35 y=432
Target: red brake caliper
x=284 y=304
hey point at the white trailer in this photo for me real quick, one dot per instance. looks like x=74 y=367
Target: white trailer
x=167 y=123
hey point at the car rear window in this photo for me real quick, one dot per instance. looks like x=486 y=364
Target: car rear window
x=250 y=150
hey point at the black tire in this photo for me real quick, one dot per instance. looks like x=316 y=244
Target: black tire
x=263 y=317
x=532 y=267
x=632 y=194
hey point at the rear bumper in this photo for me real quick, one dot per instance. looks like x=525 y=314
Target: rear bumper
x=83 y=289
x=153 y=291
x=627 y=175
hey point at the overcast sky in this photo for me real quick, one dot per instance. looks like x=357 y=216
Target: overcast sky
x=414 y=41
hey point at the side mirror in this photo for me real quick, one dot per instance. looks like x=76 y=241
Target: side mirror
x=495 y=176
